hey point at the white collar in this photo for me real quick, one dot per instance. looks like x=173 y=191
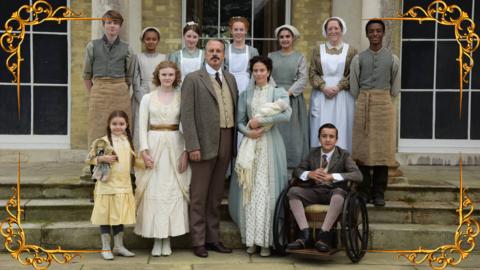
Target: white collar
x=212 y=71
x=338 y=47
x=329 y=154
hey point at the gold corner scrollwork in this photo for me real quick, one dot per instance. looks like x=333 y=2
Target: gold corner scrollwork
x=16 y=240
x=464 y=241
x=449 y=15
x=15 y=29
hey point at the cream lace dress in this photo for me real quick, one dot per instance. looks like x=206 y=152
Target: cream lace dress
x=162 y=192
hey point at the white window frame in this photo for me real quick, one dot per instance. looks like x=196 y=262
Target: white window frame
x=36 y=141
x=288 y=8
x=439 y=145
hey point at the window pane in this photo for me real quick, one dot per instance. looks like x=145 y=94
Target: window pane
x=416 y=115
x=445 y=31
x=53 y=26
x=448 y=125
x=230 y=8
x=5 y=75
x=9 y=121
x=50 y=113
x=265 y=46
x=50 y=54
x=206 y=14
x=268 y=15
x=477 y=14
x=475 y=117
x=476 y=68
x=417 y=64
x=8 y=7
x=412 y=29
x=447 y=66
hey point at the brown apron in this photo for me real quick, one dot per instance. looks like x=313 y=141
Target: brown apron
x=374 y=129
x=106 y=96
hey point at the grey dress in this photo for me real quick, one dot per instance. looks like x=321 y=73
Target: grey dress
x=290 y=72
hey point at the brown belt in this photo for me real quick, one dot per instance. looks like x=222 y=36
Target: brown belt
x=164 y=127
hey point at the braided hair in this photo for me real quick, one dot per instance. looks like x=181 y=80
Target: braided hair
x=123 y=115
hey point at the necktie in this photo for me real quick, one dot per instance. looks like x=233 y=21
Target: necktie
x=324 y=162
x=217 y=78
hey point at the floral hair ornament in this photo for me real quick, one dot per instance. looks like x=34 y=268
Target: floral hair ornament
x=191 y=23
x=344 y=25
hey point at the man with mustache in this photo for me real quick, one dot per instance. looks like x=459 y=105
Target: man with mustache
x=209 y=98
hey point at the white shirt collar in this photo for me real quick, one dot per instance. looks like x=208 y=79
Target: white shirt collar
x=329 y=154
x=212 y=71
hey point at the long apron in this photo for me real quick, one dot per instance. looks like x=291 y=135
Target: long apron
x=238 y=66
x=374 y=141
x=338 y=110
x=189 y=65
x=106 y=95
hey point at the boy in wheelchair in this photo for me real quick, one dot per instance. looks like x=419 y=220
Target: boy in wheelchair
x=321 y=178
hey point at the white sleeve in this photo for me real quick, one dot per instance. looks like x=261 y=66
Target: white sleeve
x=143 y=122
x=304 y=176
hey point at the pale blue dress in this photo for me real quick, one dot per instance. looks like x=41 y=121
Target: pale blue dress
x=266 y=189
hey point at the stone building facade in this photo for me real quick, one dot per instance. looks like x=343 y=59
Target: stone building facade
x=307 y=15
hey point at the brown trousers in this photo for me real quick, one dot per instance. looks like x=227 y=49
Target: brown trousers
x=206 y=192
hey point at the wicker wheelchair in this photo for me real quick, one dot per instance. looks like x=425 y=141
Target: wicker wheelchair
x=353 y=223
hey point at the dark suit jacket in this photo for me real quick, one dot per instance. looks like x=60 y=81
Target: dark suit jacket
x=340 y=162
x=199 y=112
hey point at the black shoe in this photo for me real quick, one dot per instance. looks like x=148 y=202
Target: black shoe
x=324 y=241
x=379 y=201
x=218 y=247
x=304 y=240
x=200 y=251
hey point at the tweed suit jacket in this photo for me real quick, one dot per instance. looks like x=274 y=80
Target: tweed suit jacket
x=199 y=112
x=340 y=162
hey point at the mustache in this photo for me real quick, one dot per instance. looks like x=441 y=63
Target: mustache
x=214 y=57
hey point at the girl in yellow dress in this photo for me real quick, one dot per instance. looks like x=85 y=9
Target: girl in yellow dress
x=114 y=201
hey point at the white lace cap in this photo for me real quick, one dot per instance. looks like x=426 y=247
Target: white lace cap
x=293 y=29
x=149 y=28
x=344 y=26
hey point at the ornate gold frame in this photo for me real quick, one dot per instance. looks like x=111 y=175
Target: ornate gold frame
x=11 y=227
x=439 y=258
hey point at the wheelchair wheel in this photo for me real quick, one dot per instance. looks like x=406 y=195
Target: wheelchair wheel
x=355 y=230
x=281 y=224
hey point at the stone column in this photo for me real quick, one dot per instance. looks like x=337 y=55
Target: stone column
x=370 y=9
x=351 y=12
x=132 y=15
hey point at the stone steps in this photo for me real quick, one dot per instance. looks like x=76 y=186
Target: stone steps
x=79 y=189
x=83 y=235
x=71 y=210
x=420 y=211
x=41 y=187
